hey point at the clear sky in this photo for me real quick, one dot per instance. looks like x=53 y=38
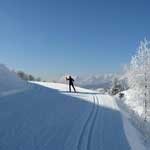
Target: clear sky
x=52 y=37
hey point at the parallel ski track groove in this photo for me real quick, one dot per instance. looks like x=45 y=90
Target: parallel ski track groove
x=91 y=119
x=93 y=124
x=101 y=126
x=85 y=126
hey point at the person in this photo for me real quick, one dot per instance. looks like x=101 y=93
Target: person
x=71 y=80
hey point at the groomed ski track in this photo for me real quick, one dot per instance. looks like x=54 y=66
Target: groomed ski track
x=44 y=118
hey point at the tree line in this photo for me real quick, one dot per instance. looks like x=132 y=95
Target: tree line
x=27 y=77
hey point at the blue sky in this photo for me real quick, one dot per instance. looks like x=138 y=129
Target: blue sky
x=49 y=38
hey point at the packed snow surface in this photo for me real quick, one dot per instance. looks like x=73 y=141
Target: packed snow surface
x=47 y=117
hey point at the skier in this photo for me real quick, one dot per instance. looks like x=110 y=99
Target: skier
x=71 y=80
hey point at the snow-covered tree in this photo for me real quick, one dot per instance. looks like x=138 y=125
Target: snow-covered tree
x=138 y=74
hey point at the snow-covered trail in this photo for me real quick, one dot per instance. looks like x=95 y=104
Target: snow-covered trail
x=44 y=118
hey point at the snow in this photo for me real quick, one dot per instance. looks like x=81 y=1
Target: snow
x=47 y=116
x=134 y=101
x=133 y=135
x=9 y=82
x=132 y=106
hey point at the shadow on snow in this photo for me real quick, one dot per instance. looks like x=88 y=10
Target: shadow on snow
x=42 y=119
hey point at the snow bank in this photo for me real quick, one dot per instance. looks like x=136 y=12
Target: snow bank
x=132 y=104
x=133 y=135
x=9 y=82
x=134 y=101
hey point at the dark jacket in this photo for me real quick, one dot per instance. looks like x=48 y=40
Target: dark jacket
x=71 y=80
